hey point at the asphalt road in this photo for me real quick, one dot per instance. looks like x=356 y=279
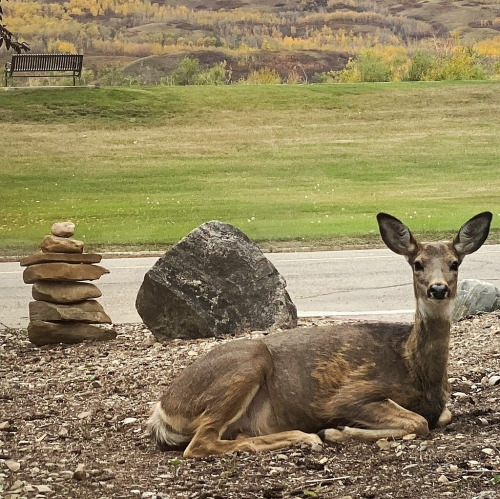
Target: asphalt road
x=360 y=284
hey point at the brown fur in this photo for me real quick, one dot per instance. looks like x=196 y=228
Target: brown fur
x=374 y=380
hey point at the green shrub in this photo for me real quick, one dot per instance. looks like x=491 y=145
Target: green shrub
x=461 y=64
x=264 y=76
x=367 y=67
x=216 y=75
x=187 y=72
x=421 y=64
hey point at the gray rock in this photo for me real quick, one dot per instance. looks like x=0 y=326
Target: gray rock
x=475 y=296
x=213 y=282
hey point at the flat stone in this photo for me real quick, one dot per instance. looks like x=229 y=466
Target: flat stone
x=63 y=272
x=63 y=229
x=56 y=244
x=89 y=311
x=60 y=257
x=64 y=292
x=49 y=333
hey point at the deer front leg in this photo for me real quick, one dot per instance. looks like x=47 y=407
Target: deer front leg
x=384 y=419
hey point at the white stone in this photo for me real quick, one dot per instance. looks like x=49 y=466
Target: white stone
x=63 y=229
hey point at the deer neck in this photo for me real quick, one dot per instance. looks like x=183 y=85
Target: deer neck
x=426 y=349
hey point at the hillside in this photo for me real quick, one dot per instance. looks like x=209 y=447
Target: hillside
x=296 y=37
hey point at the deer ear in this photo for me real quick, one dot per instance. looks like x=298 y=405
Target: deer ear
x=396 y=235
x=472 y=234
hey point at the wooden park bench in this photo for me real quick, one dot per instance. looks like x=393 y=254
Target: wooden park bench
x=26 y=65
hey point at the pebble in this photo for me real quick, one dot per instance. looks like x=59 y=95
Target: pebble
x=12 y=465
x=494 y=380
x=443 y=479
x=410 y=436
x=128 y=421
x=80 y=473
x=383 y=444
x=488 y=451
x=43 y=488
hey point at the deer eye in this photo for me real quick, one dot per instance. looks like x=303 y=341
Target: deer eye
x=454 y=266
x=418 y=267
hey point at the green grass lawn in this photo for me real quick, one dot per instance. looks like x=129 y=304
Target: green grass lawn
x=141 y=167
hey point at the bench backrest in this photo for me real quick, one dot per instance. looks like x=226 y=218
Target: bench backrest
x=47 y=62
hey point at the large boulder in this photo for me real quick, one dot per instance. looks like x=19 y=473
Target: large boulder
x=213 y=282
x=475 y=296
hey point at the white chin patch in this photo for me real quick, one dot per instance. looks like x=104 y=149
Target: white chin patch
x=432 y=308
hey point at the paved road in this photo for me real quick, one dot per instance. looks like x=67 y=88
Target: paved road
x=362 y=283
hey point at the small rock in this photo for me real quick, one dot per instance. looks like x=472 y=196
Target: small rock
x=317 y=448
x=323 y=460
x=17 y=485
x=410 y=436
x=453 y=468
x=494 y=380
x=84 y=415
x=483 y=421
x=488 y=451
x=128 y=421
x=443 y=479
x=383 y=444
x=80 y=473
x=12 y=465
x=63 y=229
x=43 y=488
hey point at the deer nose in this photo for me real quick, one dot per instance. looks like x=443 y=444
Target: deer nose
x=438 y=291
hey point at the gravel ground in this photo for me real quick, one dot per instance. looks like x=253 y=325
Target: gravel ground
x=72 y=425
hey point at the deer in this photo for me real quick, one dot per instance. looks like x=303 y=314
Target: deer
x=330 y=383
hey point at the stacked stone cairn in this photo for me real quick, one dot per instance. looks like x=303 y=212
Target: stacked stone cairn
x=65 y=309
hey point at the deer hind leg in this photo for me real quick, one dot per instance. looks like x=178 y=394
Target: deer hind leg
x=221 y=404
x=384 y=419
x=210 y=439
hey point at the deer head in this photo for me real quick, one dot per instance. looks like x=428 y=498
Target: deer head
x=435 y=265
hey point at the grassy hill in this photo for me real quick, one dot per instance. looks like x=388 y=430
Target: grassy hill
x=290 y=165
x=294 y=37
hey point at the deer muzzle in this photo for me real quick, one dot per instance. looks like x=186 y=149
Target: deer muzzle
x=438 y=291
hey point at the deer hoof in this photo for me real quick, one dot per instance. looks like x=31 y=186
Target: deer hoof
x=331 y=435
